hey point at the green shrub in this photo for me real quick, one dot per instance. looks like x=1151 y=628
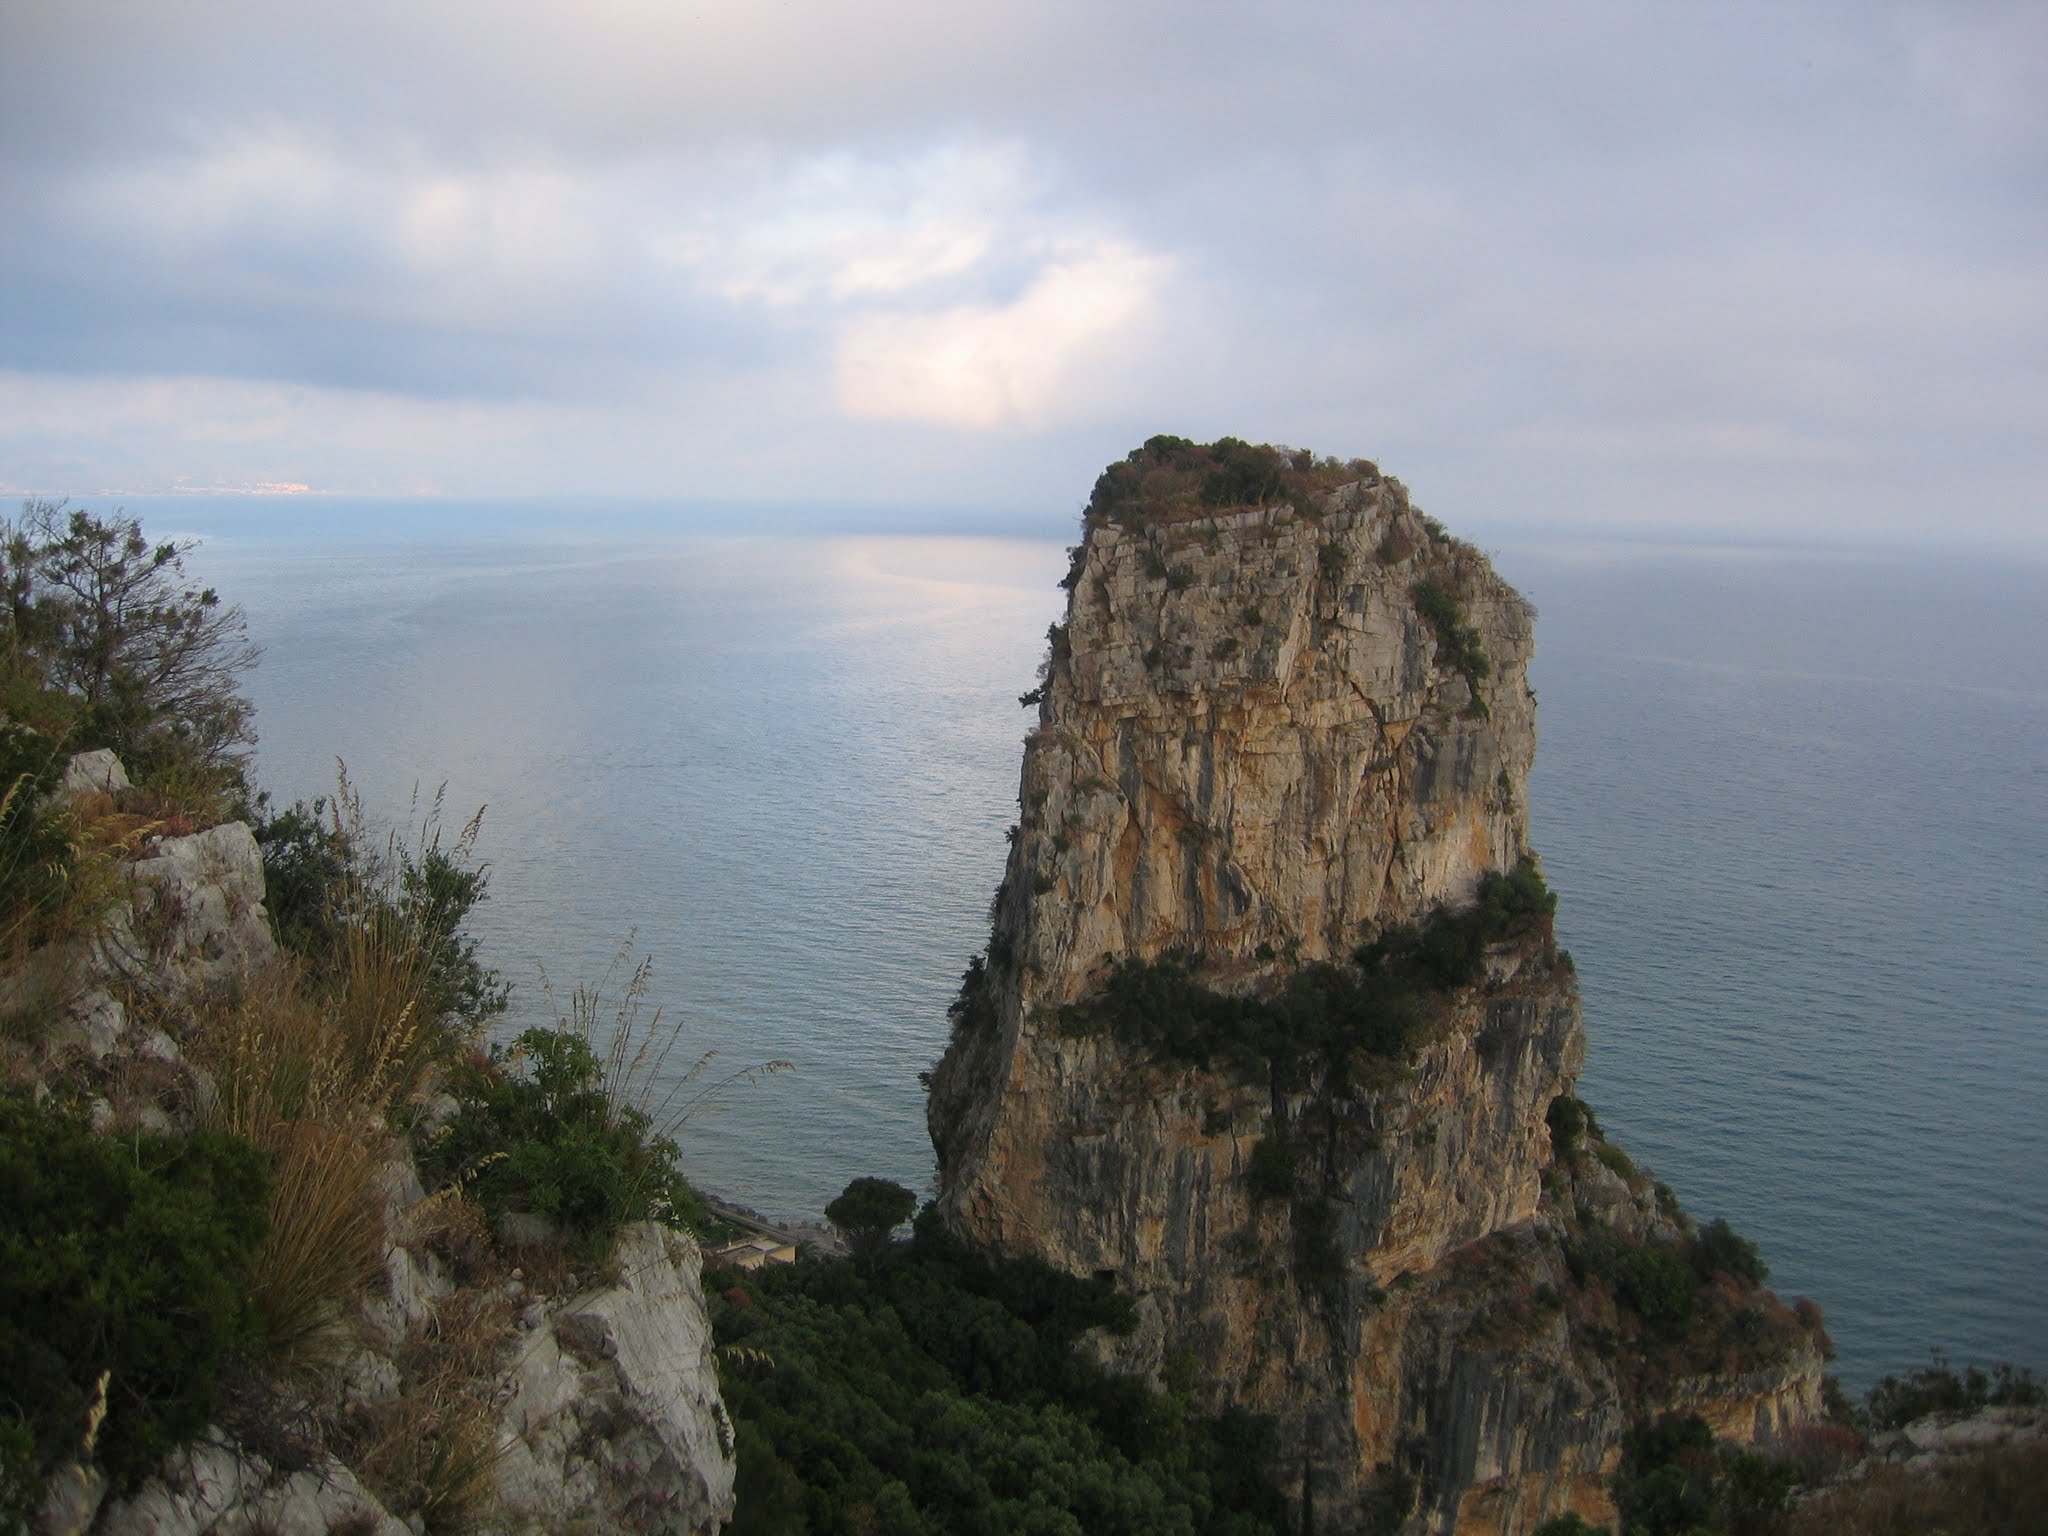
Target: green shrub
x=1718 y=1248
x=941 y=1392
x=147 y=664
x=1615 y=1160
x=127 y=1256
x=1174 y=478
x=37 y=856
x=1659 y=1284
x=1457 y=642
x=541 y=1134
x=1570 y=1120
x=1897 y=1401
x=1322 y=1014
x=1674 y=1481
x=867 y=1213
x=974 y=1007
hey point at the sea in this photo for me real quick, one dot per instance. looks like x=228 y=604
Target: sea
x=1795 y=801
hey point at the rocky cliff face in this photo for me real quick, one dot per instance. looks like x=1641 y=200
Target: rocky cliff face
x=1269 y=736
x=597 y=1404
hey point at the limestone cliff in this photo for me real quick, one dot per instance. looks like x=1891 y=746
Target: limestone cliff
x=1249 y=1040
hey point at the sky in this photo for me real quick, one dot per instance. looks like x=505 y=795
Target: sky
x=1772 y=271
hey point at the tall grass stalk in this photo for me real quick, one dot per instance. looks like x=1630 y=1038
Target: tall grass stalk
x=636 y=1051
x=324 y=1248
x=386 y=992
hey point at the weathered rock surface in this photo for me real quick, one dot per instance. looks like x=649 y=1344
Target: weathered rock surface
x=195 y=916
x=217 y=1486
x=1265 y=737
x=604 y=1416
x=188 y=918
x=613 y=1416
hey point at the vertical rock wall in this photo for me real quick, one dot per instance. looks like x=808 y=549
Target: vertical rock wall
x=1266 y=736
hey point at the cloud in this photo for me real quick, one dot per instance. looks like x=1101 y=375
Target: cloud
x=847 y=226
x=1023 y=363
x=662 y=248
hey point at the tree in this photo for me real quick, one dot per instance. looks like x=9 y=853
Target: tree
x=106 y=619
x=867 y=1214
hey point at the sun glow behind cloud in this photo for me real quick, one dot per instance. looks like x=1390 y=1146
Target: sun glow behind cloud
x=923 y=248
x=1027 y=362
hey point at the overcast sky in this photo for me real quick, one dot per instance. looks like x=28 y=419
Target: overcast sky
x=1775 y=269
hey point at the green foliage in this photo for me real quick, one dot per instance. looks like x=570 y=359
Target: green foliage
x=37 y=857
x=1659 y=1284
x=1323 y=1026
x=1673 y=1481
x=1897 y=1401
x=1457 y=642
x=127 y=1256
x=867 y=1214
x=1387 y=1502
x=1450 y=949
x=542 y=1133
x=974 y=1007
x=1570 y=1121
x=1718 y=1248
x=1569 y=1524
x=1172 y=477
x=147 y=664
x=1615 y=1160
x=328 y=883
x=307 y=864
x=941 y=1392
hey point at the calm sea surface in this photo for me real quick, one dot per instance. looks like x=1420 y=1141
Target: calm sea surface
x=1796 y=803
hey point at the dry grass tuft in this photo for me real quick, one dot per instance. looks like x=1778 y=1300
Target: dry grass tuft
x=2003 y=1492
x=429 y=1449
x=325 y=1246
x=282 y=1079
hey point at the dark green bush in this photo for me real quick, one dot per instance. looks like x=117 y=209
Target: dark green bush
x=543 y=1133
x=320 y=877
x=941 y=1392
x=1323 y=1013
x=1172 y=477
x=974 y=1007
x=36 y=855
x=1659 y=1284
x=1457 y=642
x=1897 y=1401
x=1718 y=1248
x=1674 y=1481
x=867 y=1213
x=1570 y=1121
x=128 y=1256
x=102 y=618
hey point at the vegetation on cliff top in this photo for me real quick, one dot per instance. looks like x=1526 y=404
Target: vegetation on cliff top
x=107 y=644
x=1169 y=478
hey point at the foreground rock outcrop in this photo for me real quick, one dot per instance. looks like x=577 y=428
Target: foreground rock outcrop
x=588 y=1403
x=1281 y=757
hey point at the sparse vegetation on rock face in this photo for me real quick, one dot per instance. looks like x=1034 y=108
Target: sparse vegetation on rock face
x=212 y=1230
x=1271 y=1026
